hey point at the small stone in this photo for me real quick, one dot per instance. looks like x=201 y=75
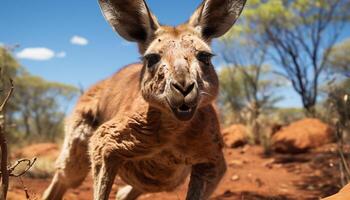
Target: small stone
x=235 y=177
x=284 y=190
x=310 y=187
x=236 y=162
x=269 y=163
x=259 y=182
x=249 y=175
x=244 y=149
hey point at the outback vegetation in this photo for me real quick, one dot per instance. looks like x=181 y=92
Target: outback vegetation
x=37 y=108
x=272 y=151
x=279 y=44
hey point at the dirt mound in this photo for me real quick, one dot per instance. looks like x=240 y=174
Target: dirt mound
x=341 y=195
x=301 y=136
x=236 y=135
x=47 y=150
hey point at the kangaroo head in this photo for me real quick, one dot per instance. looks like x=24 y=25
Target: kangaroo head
x=177 y=76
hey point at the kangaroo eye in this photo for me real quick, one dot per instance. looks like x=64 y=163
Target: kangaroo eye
x=151 y=59
x=204 y=57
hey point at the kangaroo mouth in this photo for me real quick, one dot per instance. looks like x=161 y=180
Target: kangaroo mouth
x=183 y=112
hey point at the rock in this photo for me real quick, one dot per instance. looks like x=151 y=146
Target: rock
x=343 y=194
x=235 y=136
x=237 y=163
x=235 y=178
x=259 y=182
x=269 y=163
x=244 y=149
x=227 y=193
x=301 y=136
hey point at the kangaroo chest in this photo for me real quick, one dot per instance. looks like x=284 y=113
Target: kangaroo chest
x=162 y=172
x=160 y=160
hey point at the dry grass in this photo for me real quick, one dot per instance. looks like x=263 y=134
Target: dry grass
x=46 y=154
x=43 y=168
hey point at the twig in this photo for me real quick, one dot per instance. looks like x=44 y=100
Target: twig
x=25 y=189
x=7 y=97
x=13 y=167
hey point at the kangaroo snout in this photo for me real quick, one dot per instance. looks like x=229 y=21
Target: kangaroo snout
x=183 y=98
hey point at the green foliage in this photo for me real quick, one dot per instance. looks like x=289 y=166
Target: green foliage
x=292 y=14
x=8 y=68
x=297 y=35
x=339 y=59
x=244 y=92
x=286 y=116
x=237 y=87
x=231 y=89
x=11 y=66
x=338 y=104
x=35 y=109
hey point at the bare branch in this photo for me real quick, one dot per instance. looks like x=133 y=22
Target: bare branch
x=7 y=97
x=30 y=164
x=3 y=146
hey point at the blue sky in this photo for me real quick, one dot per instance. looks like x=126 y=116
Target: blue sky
x=51 y=25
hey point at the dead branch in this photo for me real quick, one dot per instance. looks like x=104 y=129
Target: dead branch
x=25 y=189
x=29 y=165
x=3 y=104
x=4 y=172
x=4 y=154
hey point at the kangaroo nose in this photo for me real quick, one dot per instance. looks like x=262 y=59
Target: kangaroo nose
x=184 y=89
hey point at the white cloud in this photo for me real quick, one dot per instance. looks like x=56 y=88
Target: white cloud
x=2 y=44
x=78 y=40
x=39 y=54
x=61 y=54
x=36 y=53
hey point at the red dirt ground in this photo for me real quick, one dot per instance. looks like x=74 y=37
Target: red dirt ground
x=250 y=176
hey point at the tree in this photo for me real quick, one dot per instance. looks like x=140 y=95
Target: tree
x=38 y=101
x=8 y=69
x=9 y=66
x=339 y=59
x=36 y=107
x=338 y=88
x=248 y=92
x=299 y=35
x=247 y=82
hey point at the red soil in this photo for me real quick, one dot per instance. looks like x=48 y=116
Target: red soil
x=250 y=176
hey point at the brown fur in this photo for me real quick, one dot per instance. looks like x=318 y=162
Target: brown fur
x=151 y=125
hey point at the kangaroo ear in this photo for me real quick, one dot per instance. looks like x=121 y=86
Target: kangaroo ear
x=213 y=18
x=132 y=19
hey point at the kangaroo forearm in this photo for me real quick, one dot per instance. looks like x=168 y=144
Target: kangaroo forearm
x=204 y=180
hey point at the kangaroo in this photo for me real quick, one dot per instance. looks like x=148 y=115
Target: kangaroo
x=152 y=123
